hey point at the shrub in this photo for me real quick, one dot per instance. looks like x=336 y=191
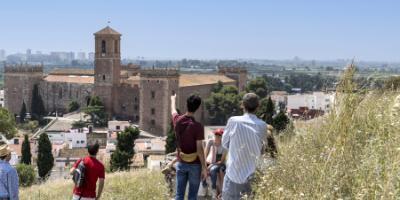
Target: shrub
x=26 y=174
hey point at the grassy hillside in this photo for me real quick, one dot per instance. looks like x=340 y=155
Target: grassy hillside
x=140 y=184
x=353 y=153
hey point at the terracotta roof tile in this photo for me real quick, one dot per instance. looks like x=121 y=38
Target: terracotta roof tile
x=70 y=79
x=72 y=71
x=107 y=31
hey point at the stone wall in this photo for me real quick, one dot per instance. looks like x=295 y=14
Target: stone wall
x=18 y=85
x=58 y=95
x=204 y=91
x=156 y=88
x=127 y=106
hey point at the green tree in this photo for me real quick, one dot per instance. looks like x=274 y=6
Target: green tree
x=22 y=113
x=280 y=121
x=170 y=145
x=79 y=124
x=121 y=159
x=223 y=104
x=96 y=111
x=26 y=151
x=37 y=105
x=258 y=86
x=45 y=160
x=7 y=123
x=26 y=174
x=266 y=110
x=73 y=106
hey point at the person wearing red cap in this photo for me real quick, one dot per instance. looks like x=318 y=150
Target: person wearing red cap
x=215 y=158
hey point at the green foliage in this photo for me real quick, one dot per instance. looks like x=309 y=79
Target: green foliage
x=392 y=83
x=45 y=160
x=26 y=151
x=26 y=174
x=22 y=113
x=223 y=104
x=30 y=126
x=310 y=82
x=96 y=111
x=266 y=110
x=37 y=107
x=280 y=121
x=73 y=106
x=258 y=86
x=276 y=84
x=218 y=87
x=122 y=156
x=78 y=124
x=170 y=145
x=7 y=123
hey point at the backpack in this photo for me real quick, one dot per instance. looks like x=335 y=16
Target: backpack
x=79 y=174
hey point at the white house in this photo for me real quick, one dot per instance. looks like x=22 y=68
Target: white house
x=316 y=100
x=118 y=125
x=1 y=98
x=76 y=138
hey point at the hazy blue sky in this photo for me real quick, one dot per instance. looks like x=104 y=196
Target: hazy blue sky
x=269 y=29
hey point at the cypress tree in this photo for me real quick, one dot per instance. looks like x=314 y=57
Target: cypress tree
x=45 y=159
x=37 y=105
x=270 y=111
x=280 y=121
x=170 y=145
x=122 y=157
x=26 y=151
x=22 y=113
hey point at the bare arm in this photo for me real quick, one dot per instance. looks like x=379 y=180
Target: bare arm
x=207 y=151
x=100 y=188
x=173 y=105
x=200 y=154
x=71 y=171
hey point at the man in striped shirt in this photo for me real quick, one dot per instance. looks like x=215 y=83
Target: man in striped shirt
x=243 y=138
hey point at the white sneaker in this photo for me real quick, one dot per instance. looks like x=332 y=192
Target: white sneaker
x=214 y=194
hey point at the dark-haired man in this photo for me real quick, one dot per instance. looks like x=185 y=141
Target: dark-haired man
x=94 y=170
x=8 y=175
x=243 y=138
x=191 y=166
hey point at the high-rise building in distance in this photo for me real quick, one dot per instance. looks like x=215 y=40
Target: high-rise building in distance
x=81 y=56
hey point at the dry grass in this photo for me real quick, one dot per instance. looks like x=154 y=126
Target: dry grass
x=141 y=184
x=352 y=153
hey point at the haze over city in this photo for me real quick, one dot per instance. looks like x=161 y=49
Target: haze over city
x=208 y=29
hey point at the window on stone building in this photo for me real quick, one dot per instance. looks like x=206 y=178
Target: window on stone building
x=153 y=122
x=153 y=94
x=118 y=127
x=137 y=118
x=103 y=46
x=153 y=111
x=136 y=99
x=104 y=77
x=60 y=93
x=136 y=107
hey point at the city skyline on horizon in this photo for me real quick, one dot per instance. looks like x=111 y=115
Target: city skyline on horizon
x=177 y=30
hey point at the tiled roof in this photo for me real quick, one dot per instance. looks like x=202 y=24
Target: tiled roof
x=187 y=80
x=70 y=79
x=107 y=31
x=72 y=71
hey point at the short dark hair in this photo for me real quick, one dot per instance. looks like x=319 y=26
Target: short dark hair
x=93 y=149
x=250 y=102
x=193 y=103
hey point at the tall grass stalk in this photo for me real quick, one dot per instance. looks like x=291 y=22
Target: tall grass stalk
x=351 y=153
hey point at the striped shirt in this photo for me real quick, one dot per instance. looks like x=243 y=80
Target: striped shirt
x=243 y=138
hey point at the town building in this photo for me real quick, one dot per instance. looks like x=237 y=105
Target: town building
x=1 y=98
x=128 y=92
x=316 y=100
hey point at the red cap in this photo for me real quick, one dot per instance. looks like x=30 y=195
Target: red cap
x=219 y=131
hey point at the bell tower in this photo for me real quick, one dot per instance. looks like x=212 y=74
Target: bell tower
x=107 y=66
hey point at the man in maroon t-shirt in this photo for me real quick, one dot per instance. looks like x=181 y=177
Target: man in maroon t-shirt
x=191 y=166
x=94 y=170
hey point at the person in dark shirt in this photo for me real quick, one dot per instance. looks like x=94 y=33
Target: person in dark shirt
x=94 y=171
x=191 y=166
